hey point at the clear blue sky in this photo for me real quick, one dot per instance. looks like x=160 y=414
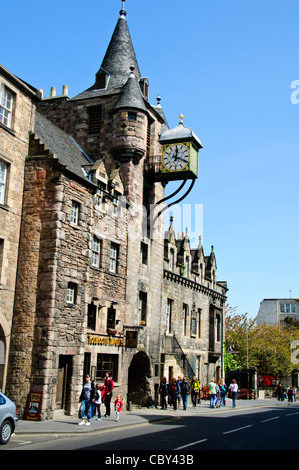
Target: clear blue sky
x=228 y=67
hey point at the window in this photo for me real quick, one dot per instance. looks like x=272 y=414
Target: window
x=91 y=316
x=6 y=105
x=3 y=179
x=111 y=318
x=142 y=306
x=1 y=256
x=218 y=327
x=95 y=116
x=75 y=212
x=71 y=293
x=132 y=116
x=169 y=312
x=187 y=266
x=143 y=253
x=113 y=258
x=96 y=252
x=198 y=328
x=185 y=315
x=287 y=308
x=171 y=260
x=107 y=363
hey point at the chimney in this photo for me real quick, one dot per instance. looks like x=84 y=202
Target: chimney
x=53 y=91
x=65 y=90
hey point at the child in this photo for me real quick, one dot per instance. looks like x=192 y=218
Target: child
x=98 y=401
x=118 y=404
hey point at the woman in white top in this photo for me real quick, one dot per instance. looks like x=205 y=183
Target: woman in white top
x=233 y=388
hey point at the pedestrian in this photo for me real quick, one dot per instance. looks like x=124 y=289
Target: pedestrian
x=179 y=381
x=185 y=392
x=195 y=391
x=98 y=400
x=280 y=392
x=290 y=394
x=223 y=390
x=233 y=388
x=86 y=400
x=109 y=385
x=118 y=405
x=174 y=393
x=163 y=390
x=295 y=393
x=213 y=390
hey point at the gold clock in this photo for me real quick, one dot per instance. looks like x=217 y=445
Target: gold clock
x=176 y=157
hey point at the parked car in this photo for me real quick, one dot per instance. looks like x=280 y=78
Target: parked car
x=8 y=418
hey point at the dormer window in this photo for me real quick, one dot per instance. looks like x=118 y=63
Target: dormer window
x=144 y=86
x=102 y=79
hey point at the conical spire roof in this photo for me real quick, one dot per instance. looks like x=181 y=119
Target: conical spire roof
x=120 y=55
x=131 y=96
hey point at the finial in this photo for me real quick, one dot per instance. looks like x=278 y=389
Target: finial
x=171 y=220
x=123 y=12
x=158 y=100
x=181 y=117
x=132 y=68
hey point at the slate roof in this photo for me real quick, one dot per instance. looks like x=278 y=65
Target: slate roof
x=119 y=57
x=63 y=146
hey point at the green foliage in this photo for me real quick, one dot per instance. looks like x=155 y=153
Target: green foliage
x=268 y=346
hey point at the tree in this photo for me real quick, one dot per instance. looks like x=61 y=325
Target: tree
x=266 y=347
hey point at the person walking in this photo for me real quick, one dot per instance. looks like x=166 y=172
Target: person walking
x=213 y=390
x=164 y=390
x=280 y=391
x=86 y=400
x=179 y=381
x=118 y=405
x=109 y=385
x=233 y=388
x=185 y=392
x=290 y=394
x=174 y=393
x=195 y=391
x=223 y=390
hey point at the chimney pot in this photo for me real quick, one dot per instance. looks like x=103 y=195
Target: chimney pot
x=53 y=91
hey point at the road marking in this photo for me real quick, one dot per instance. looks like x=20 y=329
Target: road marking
x=190 y=444
x=270 y=419
x=238 y=429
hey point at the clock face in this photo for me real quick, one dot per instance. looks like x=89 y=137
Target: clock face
x=176 y=157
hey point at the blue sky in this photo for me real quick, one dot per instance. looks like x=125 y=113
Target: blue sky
x=228 y=67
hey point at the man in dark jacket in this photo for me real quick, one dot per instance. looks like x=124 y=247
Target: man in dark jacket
x=164 y=393
x=185 y=391
x=109 y=385
x=86 y=399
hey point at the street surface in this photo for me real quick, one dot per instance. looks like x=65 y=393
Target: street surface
x=263 y=428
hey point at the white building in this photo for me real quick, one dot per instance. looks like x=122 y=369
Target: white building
x=273 y=311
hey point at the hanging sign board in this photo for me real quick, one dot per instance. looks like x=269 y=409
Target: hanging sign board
x=34 y=406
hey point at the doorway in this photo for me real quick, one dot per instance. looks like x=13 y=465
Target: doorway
x=64 y=374
x=139 y=390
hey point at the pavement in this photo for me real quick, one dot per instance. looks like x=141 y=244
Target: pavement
x=63 y=424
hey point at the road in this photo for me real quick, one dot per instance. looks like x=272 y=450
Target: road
x=225 y=429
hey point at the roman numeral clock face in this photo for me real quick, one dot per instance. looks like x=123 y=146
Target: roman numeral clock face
x=176 y=157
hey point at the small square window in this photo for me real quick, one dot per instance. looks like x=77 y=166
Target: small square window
x=96 y=251
x=3 y=181
x=75 y=212
x=6 y=105
x=132 y=116
x=113 y=258
x=71 y=292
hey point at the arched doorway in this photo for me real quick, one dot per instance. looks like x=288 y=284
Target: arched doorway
x=139 y=389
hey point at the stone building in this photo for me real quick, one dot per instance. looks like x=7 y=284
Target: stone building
x=17 y=112
x=100 y=288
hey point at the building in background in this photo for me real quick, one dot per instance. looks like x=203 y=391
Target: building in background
x=278 y=311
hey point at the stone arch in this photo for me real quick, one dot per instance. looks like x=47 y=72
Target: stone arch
x=139 y=389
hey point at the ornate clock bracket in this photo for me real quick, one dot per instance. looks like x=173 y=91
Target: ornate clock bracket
x=171 y=196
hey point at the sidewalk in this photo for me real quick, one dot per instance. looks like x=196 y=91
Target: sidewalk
x=69 y=425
